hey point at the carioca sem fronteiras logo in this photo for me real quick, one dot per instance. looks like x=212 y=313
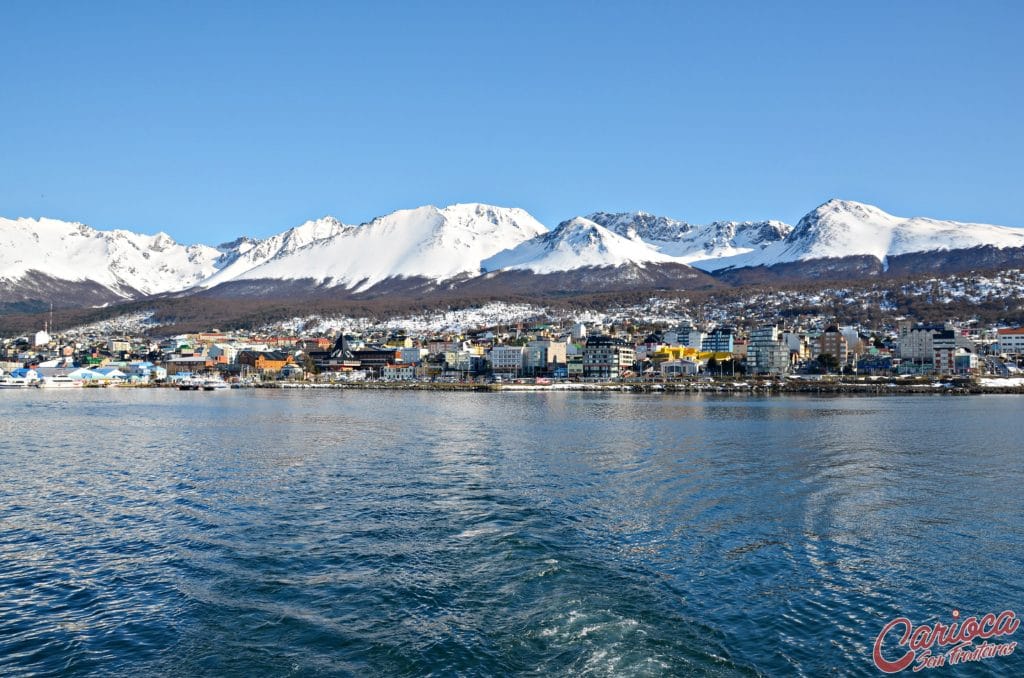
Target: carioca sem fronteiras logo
x=929 y=647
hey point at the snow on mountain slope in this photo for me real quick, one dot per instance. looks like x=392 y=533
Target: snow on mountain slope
x=122 y=261
x=427 y=241
x=245 y=254
x=41 y=259
x=842 y=228
x=689 y=243
x=576 y=243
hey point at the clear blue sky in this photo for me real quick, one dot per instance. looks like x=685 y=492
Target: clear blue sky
x=211 y=120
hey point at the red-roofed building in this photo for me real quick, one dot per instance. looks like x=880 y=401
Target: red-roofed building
x=1011 y=340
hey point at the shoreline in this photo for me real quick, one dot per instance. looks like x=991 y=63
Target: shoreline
x=760 y=389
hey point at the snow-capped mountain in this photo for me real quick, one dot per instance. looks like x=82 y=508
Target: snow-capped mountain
x=52 y=260
x=487 y=250
x=688 y=243
x=576 y=243
x=842 y=228
x=126 y=263
x=245 y=254
x=426 y=242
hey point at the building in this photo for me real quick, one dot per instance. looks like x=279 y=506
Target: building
x=833 y=343
x=398 y=372
x=545 y=356
x=223 y=353
x=767 y=351
x=118 y=346
x=144 y=371
x=340 y=358
x=944 y=351
x=1011 y=340
x=690 y=337
x=535 y=360
x=263 y=361
x=916 y=341
x=965 y=362
x=673 y=353
x=720 y=340
x=292 y=371
x=399 y=342
x=574 y=366
x=438 y=346
x=373 y=359
x=797 y=344
x=673 y=369
x=458 y=361
x=314 y=344
x=412 y=355
x=189 y=364
x=607 y=358
x=510 y=360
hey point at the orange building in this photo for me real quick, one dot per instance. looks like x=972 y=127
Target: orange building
x=265 y=361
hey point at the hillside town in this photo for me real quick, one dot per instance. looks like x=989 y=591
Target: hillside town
x=544 y=353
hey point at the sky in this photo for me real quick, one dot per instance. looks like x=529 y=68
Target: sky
x=211 y=120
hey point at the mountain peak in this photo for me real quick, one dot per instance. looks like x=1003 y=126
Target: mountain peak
x=575 y=243
x=421 y=242
x=859 y=209
x=845 y=228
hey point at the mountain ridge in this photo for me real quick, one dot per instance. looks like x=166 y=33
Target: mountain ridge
x=427 y=248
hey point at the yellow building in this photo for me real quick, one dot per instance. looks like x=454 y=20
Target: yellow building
x=666 y=353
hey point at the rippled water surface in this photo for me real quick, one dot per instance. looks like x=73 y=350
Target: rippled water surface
x=281 y=533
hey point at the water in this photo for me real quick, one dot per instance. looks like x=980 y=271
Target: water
x=278 y=533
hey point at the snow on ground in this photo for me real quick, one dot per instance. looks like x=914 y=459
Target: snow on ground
x=456 y=320
x=1007 y=382
x=130 y=324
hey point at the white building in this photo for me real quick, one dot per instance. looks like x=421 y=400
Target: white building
x=119 y=345
x=916 y=341
x=511 y=359
x=767 y=352
x=679 y=368
x=1011 y=340
x=398 y=372
x=689 y=337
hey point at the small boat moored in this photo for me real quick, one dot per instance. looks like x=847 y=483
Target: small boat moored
x=15 y=382
x=59 y=382
x=216 y=385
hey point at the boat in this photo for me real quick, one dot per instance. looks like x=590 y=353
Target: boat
x=59 y=382
x=216 y=385
x=188 y=385
x=15 y=382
